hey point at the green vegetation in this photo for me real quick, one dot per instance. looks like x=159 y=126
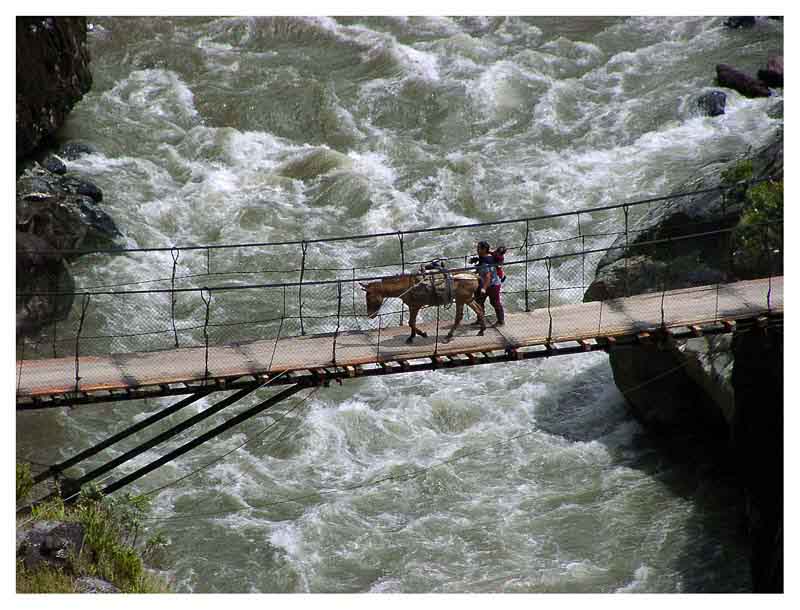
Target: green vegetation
x=24 y=481
x=112 y=529
x=758 y=238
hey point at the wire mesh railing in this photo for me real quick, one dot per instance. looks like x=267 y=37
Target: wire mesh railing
x=211 y=312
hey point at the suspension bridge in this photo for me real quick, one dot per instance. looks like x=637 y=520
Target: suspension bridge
x=178 y=335
x=127 y=342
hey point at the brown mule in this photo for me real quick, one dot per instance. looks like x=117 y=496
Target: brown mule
x=462 y=291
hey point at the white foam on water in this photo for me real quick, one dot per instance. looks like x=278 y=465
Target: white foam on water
x=639 y=582
x=413 y=62
x=526 y=495
x=386 y=585
x=161 y=93
x=498 y=88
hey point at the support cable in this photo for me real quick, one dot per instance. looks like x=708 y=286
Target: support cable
x=375 y=482
x=304 y=249
x=202 y=439
x=225 y=288
x=158 y=439
x=19 y=366
x=84 y=306
x=627 y=285
x=338 y=319
x=207 y=302
x=175 y=254
x=249 y=440
x=55 y=469
x=527 y=253
x=55 y=331
x=410 y=231
x=436 y=345
x=402 y=269
x=549 y=312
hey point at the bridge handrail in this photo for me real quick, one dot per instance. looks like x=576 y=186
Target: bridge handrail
x=528 y=219
x=309 y=283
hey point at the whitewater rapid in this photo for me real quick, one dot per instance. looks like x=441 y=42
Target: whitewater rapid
x=236 y=130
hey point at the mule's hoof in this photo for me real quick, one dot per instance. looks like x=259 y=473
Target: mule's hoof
x=410 y=340
x=448 y=338
x=423 y=335
x=480 y=332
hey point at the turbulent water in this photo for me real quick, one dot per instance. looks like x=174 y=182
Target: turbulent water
x=225 y=130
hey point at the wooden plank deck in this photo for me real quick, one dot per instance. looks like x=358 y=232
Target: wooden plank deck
x=620 y=317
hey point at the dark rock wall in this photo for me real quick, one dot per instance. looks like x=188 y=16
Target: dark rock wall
x=758 y=446
x=52 y=75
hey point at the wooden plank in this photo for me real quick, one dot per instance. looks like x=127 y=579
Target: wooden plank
x=514 y=353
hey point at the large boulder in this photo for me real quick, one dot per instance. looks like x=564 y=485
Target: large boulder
x=64 y=211
x=713 y=103
x=52 y=75
x=691 y=262
x=54 y=212
x=773 y=75
x=39 y=270
x=52 y=543
x=88 y=584
x=728 y=76
x=739 y=22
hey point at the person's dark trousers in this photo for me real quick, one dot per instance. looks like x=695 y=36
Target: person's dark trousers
x=493 y=292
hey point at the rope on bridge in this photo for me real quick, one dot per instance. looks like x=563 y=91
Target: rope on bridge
x=541 y=259
x=249 y=440
x=208 y=247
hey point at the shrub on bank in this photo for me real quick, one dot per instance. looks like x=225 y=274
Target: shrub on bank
x=758 y=237
x=111 y=530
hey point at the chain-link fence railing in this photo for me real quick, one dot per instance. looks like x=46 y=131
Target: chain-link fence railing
x=204 y=316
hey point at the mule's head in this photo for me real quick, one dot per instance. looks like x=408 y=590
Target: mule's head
x=374 y=298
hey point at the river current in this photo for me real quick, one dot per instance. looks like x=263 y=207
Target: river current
x=536 y=479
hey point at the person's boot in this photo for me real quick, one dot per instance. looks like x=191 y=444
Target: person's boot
x=501 y=317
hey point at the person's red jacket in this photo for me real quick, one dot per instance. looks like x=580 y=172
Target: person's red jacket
x=499 y=256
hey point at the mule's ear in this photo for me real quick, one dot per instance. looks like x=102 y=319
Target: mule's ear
x=363 y=286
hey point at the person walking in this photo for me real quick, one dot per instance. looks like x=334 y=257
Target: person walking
x=489 y=282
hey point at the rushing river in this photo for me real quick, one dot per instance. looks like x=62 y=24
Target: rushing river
x=537 y=480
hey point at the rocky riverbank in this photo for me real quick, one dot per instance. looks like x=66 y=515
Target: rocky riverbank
x=727 y=386
x=62 y=550
x=55 y=210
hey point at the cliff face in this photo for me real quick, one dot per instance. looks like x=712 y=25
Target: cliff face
x=757 y=430
x=54 y=210
x=725 y=386
x=52 y=75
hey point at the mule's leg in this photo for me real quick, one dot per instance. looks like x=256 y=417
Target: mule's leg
x=412 y=322
x=457 y=321
x=476 y=307
x=421 y=333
